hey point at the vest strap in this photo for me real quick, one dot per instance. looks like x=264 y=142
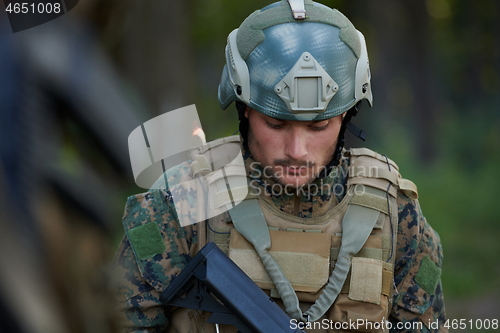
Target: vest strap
x=249 y=220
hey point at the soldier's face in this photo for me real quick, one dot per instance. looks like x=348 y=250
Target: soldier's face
x=292 y=152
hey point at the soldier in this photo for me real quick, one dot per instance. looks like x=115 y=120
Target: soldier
x=346 y=229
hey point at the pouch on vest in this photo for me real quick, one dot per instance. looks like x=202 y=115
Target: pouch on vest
x=366 y=280
x=303 y=257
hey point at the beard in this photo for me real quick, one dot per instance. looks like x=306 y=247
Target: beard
x=279 y=168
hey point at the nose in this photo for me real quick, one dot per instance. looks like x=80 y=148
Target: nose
x=296 y=145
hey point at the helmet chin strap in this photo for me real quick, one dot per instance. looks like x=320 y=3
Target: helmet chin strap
x=243 y=123
x=346 y=124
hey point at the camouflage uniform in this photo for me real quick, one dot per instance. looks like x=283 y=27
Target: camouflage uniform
x=418 y=296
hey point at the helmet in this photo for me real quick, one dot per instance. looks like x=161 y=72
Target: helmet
x=296 y=61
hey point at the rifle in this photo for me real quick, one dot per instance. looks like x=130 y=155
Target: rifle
x=212 y=282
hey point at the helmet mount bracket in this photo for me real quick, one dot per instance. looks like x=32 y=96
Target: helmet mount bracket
x=306 y=88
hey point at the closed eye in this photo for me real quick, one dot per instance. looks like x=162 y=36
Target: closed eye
x=274 y=126
x=317 y=128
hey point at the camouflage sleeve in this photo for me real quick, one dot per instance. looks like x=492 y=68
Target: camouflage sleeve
x=418 y=304
x=154 y=249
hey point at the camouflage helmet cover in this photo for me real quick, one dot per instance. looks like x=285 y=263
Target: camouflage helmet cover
x=309 y=69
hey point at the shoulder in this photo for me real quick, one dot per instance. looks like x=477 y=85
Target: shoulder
x=156 y=246
x=177 y=174
x=199 y=161
x=156 y=242
x=418 y=262
x=160 y=224
x=414 y=232
x=416 y=238
x=364 y=163
x=417 y=275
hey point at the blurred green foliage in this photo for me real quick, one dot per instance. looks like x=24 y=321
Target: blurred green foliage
x=458 y=197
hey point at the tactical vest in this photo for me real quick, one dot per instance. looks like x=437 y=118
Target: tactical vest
x=338 y=266
x=306 y=250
